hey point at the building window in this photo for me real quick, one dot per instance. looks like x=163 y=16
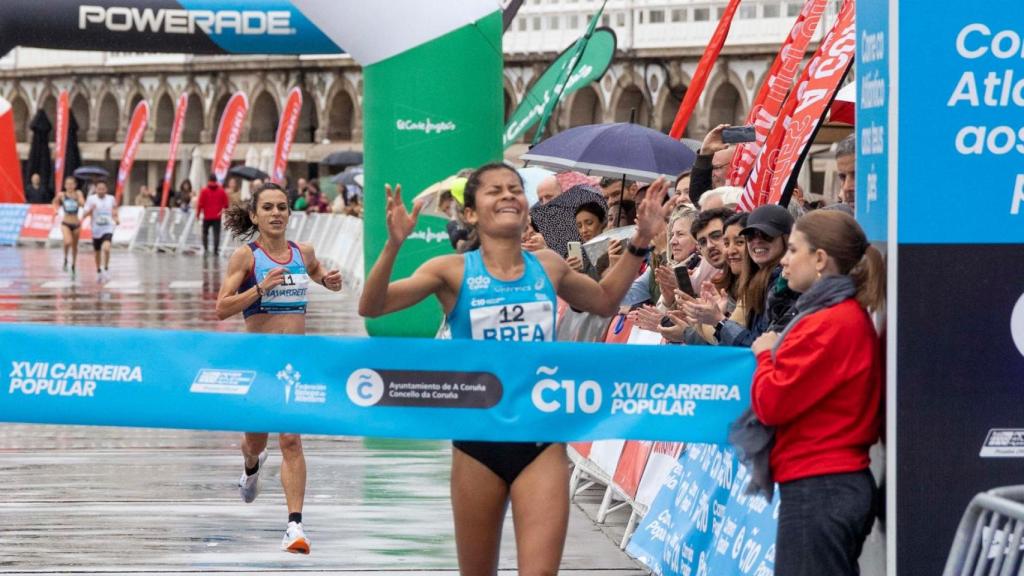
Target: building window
x=536 y=22
x=657 y=17
x=606 y=20
x=574 y=21
x=620 y=19
x=554 y=22
x=679 y=15
x=720 y=12
x=701 y=14
x=747 y=12
x=793 y=9
x=522 y=25
x=640 y=17
x=771 y=11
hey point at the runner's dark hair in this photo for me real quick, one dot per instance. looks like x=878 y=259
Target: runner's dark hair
x=469 y=195
x=238 y=219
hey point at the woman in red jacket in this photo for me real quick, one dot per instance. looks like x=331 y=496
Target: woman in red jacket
x=819 y=383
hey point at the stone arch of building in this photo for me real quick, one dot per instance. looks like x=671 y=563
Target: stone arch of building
x=22 y=113
x=264 y=113
x=341 y=112
x=584 y=106
x=108 y=117
x=47 y=102
x=192 y=130
x=134 y=95
x=725 y=100
x=309 y=118
x=222 y=94
x=79 y=105
x=668 y=99
x=162 y=115
x=627 y=95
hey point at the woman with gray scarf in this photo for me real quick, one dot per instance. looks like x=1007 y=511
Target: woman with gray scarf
x=819 y=384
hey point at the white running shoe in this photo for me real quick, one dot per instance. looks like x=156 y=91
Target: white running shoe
x=249 y=486
x=295 y=540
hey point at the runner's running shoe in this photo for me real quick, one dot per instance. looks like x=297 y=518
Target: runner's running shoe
x=295 y=540
x=249 y=486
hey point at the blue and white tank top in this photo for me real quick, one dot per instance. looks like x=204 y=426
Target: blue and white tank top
x=290 y=296
x=70 y=204
x=487 y=308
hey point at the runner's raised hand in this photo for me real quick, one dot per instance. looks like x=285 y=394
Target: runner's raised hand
x=399 y=222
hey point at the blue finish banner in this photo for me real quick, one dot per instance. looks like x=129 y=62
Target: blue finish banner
x=702 y=522
x=12 y=217
x=392 y=387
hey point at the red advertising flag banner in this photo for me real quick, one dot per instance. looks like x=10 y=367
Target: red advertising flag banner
x=11 y=187
x=631 y=466
x=286 y=128
x=228 y=133
x=826 y=74
x=61 y=140
x=137 y=127
x=775 y=88
x=700 y=77
x=179 y=123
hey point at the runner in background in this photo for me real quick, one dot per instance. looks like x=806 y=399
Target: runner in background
x=267 y=281
x=503 y=292
x=70 y=200
x=100 y=206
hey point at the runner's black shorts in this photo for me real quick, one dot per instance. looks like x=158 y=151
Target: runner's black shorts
x=97 y=243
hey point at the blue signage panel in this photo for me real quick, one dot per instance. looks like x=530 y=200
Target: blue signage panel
x=961 y=123
x=12 y=217
x=873 y=118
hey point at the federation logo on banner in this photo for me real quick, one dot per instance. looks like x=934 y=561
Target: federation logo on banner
x=296 y=391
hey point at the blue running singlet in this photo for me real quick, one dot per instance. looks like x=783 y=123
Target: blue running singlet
x=290 y=296
x=487 y=308
x=70 y=205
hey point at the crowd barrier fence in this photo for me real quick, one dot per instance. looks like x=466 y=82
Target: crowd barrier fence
x=989 y=539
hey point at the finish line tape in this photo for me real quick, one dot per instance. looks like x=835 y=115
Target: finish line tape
x=387 y=387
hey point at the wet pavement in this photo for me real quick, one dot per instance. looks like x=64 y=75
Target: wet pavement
x=125 y=501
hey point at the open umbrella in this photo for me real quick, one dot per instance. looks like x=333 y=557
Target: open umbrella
x=532 y=176
x=347 y=184
x=91 y=173
x=39 y=150
x=343 y=159
x=248 y=173
x=844 y=107
x=556 y=220
x=614 y=150
x=437 y=200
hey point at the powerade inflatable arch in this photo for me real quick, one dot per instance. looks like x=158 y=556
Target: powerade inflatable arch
x=432 y=82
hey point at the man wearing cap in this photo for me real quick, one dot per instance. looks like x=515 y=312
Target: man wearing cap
x=767 y=301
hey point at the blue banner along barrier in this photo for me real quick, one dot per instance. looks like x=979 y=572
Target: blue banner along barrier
x=12 y=216
x=702 y=522
x=388 y=387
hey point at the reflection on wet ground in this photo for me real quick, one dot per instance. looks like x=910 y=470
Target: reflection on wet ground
x=164 y=501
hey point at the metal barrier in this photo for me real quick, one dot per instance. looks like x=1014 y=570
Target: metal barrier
x=988 y=540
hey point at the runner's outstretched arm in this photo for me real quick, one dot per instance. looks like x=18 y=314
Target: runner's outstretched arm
x=380 y=295
x=229 y=300
x=583 y=293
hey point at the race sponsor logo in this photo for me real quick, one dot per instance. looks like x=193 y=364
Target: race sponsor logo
x=429 y=235
x=215 y=381
x=1003 y=443
x=66 y=379
x=630 y=398
x=180 y=21
x=296 y=391
x=426 y=126
x=478 y=282
x=423 y=388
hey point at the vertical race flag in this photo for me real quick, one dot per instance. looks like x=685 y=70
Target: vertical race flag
x=700 y=77
x=61 y=141
x=286 y=134
x=230 y=130
x=137 y=127
x=11 y=189
x=772 y=94
x=826 y=74
x=756 y=190
x=179 y=123
x=567 y=73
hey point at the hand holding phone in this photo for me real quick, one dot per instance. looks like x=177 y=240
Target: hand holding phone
x=683 y=278
x=739 y=134
x=575 y=249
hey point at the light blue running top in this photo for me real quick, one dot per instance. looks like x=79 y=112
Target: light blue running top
x=487 y=308
x=70 y=204
x=289 y=297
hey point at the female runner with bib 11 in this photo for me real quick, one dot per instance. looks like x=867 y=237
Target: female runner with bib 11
x=267 y=280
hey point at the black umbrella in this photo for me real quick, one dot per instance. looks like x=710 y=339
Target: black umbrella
x=91 y=173
x=72 y=155
x=39 y=161
x=556 y=220
x=614 y=150
x=343 y=158
x=248 y=173
x=348 y=177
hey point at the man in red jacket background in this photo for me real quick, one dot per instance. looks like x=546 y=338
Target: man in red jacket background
x=213 y=200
